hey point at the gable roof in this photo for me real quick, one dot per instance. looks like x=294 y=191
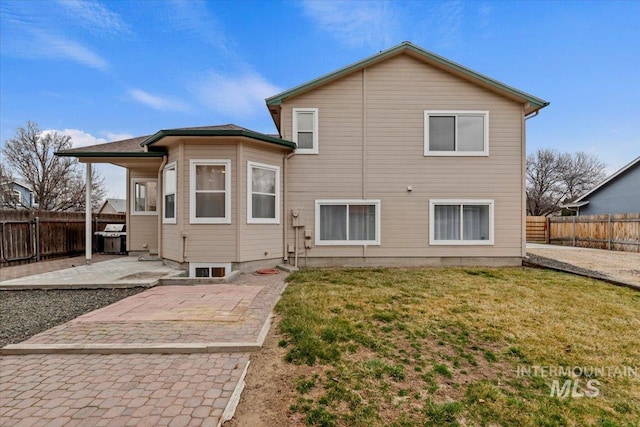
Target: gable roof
x=534 y=103
x=626 y=168
x=119 y=205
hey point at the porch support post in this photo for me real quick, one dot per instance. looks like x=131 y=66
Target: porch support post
x=87 y=217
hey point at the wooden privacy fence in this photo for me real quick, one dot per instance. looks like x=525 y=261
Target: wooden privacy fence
x=537 y=229
x=618 y=232
x=34 y=235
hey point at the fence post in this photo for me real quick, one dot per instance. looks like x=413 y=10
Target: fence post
x=609 y=231
x=547 y=230
x=37 y=223
x=574 y=231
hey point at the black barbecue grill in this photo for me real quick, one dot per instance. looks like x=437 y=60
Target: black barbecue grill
x=112 y=240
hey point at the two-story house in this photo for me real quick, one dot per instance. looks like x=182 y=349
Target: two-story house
x=403 y=158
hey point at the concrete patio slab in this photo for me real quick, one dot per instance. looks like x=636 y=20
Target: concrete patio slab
x=120 y=272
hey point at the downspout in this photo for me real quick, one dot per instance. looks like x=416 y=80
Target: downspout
x=364 y=147
x=161 y=203
x=523 y=186
x=523 y=174
x=285 y=227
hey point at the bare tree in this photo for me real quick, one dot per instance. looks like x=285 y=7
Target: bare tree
x=554 y=178
x=58 y=183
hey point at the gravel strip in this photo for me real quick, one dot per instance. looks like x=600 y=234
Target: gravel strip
x=29 y=312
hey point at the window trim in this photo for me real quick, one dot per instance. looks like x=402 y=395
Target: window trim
x=456 y=113
x=462 y=202
x=374 y=202
x=294 y=113
x=165 y=220
x=250 y=218
x=193 y=163
x=134 y=181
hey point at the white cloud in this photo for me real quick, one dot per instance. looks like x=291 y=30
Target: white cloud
x=157 y=102
x=233 y=95
x=192 y=18
x=114 y=176
x=95 y=16
x=355 y=23
x=37 y=30
x=79 y=138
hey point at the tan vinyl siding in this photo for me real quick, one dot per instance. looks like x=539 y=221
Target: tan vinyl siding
x=141 y=229
x=396 y=94
x=207 y=242
x=261 y=241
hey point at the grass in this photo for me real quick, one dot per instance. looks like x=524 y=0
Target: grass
x=430 y=347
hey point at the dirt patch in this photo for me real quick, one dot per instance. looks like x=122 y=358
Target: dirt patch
x=269 y=389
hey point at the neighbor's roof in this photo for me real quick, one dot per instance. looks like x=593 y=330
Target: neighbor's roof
x=119 y=205
x=535 y=103
x=626 y=168
x=135 y=147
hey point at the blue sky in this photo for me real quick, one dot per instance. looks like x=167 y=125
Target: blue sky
x=107 y=70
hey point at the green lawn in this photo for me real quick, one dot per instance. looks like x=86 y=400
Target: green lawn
x=413 y=347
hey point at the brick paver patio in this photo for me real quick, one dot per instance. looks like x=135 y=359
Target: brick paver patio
x=118 y=390
x=142 y=389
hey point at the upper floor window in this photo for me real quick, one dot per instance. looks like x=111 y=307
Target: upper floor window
x=263 y=194
x=210 y=192
x=305 y=130
x=169 y=190
x=144 y=200
x=456 y=133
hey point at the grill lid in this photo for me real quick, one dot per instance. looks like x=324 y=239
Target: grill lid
x=114 y=228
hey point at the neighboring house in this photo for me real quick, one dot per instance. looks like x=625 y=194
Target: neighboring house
x=18 y=195
x=619 y=193
x=404 y=158
x=113 y=206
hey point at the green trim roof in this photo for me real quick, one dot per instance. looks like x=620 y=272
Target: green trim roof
x=109 y=154
x=216 y=131
x=536 y=103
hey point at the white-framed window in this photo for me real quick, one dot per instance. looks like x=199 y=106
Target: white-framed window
x=169 y=192
x=263 y=193
x=144 y=196
x=456 y=133
x=210 y=191
x=347 y=222
x=305 y=130
x=461 y=222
